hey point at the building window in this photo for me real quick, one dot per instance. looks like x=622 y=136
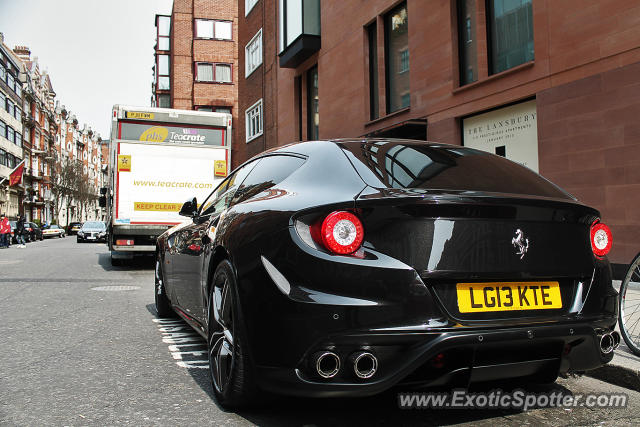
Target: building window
x=9 y=107
x=11 y=135
x=164 y=100
x=372 y=35
x=510 y=28
x=3 y=73
x=210 y=29
x=253 y=54
x=164 y=31
x=18 y=140
x=3 y=129
x=253 y=121
x=216 y=73
x=298 y=30
x=313 y=116
x=397 y=58
x=211 y=109
x=248 y=6
x=163 y=74
x=11 y=82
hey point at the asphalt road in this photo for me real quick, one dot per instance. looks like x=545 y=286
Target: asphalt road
x=81 y=345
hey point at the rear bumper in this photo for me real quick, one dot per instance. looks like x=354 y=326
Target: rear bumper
x=407 y=358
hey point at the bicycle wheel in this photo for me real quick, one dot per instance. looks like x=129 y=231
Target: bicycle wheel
x=629 y=313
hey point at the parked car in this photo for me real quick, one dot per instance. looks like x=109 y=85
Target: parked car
x=344 y=268
x=35 y=232
x=92 y=231
x=53 y=230
x=73 y=228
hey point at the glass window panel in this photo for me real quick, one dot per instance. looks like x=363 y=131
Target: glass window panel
x=223 y=73
x=205 y=72
x=293 y=20
x=163 y=65
x=223 y=30
x=11 y=81
x=223 y=110
x=164 y=83
x=248 y=5
x=397 y=46
x=372 y=33
x=204 y=29
x=311 y=17
x=164 y=101
x=511 y=33
x=3 y=129
x=3 y=73
x=10 y=134
x=467 y=47
x=164 y=25
x=163 y=43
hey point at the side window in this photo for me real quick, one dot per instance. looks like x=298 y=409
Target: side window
x=270 y=171
x=220 y=199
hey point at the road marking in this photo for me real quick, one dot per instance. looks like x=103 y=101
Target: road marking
x=186 y=346
x=115 y=288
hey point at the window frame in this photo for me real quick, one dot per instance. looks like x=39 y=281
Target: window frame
x=248 y=70
x=213 y=22
x=213 y=108
x=213 y=65
x=257 y=105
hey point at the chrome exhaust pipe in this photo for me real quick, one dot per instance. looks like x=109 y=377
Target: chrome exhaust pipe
x=616 y=339
x=365 y=364
x=326 y=364
x=606 y=343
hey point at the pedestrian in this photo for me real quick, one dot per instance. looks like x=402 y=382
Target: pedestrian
x=20 y=232
x=5 y=231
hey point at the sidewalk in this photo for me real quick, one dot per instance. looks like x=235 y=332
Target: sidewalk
x=624 y=369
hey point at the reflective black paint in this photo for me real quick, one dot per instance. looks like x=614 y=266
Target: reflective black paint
x=395 y=296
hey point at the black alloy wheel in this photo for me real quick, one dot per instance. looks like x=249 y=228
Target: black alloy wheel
x=163 y=305
x=228 y=361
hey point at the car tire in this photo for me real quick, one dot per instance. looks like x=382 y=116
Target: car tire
x=163 y=304
x=230 y=369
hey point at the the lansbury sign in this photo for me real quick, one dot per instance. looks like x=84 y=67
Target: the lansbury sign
x=511 y=131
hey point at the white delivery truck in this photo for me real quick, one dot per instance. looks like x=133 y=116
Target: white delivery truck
x=159 y=158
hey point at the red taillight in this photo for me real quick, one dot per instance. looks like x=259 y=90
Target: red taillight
x=122 y=242
x=341 y=232
x=601 y=239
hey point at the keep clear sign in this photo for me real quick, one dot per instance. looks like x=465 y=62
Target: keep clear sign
x=511 y=132
x=173 y=134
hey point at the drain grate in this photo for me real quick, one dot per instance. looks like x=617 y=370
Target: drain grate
x=115 y=288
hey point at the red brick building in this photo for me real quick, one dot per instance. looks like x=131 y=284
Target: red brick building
x=197 y=56
x=552 y=85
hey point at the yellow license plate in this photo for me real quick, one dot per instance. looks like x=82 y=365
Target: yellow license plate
x=496 y=296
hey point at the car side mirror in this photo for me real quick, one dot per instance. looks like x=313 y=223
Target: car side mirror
x=189 y=208
x=102 y=201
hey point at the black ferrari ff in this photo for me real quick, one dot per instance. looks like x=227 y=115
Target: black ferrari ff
x=346 y=267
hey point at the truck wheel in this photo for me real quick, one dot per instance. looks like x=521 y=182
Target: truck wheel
x=163 y=305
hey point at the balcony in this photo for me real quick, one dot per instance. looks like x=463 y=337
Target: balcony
x=299 y=22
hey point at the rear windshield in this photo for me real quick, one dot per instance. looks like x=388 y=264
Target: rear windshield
x=392 y=164
x=94 y=224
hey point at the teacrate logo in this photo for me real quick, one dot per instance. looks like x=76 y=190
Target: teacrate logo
x=155 y=134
